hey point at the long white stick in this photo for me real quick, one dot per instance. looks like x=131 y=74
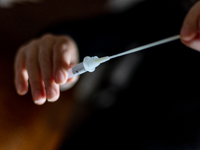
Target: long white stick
x=90 y=63
x=173 y=38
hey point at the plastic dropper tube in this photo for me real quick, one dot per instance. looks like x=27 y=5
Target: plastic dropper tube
x=90 y=63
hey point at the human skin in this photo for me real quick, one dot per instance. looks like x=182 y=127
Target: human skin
x=190 y=31
x=45 y=62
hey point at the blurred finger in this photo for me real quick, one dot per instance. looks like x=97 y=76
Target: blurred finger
x=36 y=82
x=61 y=61
x=21 y=75
x=190 y=28
x=46 y=66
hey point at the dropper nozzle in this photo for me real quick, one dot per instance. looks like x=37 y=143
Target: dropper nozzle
x=90 y=63
x=102 y=59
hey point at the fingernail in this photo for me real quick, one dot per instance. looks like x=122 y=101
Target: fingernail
x=60 y=77
x=40 y=101
x=37 y=98
x=19 y=89
x=51 y=95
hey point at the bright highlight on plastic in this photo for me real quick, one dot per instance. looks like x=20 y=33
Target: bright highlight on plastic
x=90 y=63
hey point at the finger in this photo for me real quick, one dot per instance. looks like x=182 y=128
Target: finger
x=70 y=83
x=46 y=66
x=61 y=61
x=190 y=28
x=21 y=76
x=36 y=82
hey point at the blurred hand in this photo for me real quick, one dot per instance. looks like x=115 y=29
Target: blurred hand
x=190 y=31
x=45 y=63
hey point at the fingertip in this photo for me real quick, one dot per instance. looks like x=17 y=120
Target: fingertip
x=54 y=99
x=61 y=77
x=187 y=33
x=38 y=98
x=52 y=95
x=21 y=89
x=70 y=83
x=40 y=101
x=188 y=36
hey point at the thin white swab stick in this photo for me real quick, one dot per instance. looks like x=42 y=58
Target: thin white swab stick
x=173 y=38
x=90 y=63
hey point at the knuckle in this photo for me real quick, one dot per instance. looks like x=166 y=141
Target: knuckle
x=32 y=43
x=46 y=41
x=46 y=37
x=21 y=48
x=63 y=39
x=61 y=46
x=20 y=52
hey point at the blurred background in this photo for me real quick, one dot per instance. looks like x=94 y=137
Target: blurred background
x=148 y=99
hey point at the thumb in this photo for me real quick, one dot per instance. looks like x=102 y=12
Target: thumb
x=191 y=27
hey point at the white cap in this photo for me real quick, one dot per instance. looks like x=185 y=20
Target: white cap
x=90 y=63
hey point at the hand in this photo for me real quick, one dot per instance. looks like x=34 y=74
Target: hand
x=45 y=63
x=190 y=31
